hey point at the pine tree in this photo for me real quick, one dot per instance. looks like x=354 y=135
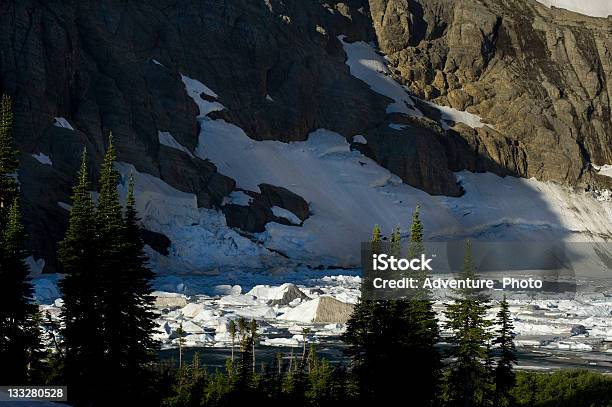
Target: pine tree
x=360 y=332
x=376 y=234
x=415 y=247
x=253 y=332
x=125 y=285
x=20 y=348
x=468 y=380
x=180 y=332
x=232 y=332
x=392 y=342
x=81 y=314
x=395 y=247
x=422 y=328
x=8 y=158
x=112 y=289
x=138 y=320
x=505 y=378
x=107 y=312
x=19 y=330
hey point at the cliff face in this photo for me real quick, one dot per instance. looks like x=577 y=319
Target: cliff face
x=116 y=66
x=539 y=76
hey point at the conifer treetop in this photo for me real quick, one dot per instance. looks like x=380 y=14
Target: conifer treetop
x=14 y=233
x=376 y=235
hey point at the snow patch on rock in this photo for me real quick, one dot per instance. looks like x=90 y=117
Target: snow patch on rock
x=359 y=139
x=166 y=139
x=195 y=89
x=63 y=123
x=286 y=214
x=43 y=159
x=367 y=64
x=238 y=198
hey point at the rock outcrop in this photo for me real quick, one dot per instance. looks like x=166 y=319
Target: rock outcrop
x=540 y=77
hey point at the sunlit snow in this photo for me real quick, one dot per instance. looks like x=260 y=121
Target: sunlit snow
x=367 y=64
x=606 y=170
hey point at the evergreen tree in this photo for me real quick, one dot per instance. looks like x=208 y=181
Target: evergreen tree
x=107 y=312
x=415 y=247
x=81 y=314
x=421 y=325
x=20 y=348
x=253 y=331
x=8 y=158
x=138 y=320
x=360 y=332
x=505 y=379
x=390 y=339
x=113 y=289
x=232 y=332
x=180 y=332
x=469 y=378
x=124 y=285
x=395 y=247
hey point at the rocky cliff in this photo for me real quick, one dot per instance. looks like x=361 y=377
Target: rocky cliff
x=540 y=77
x=78 y=70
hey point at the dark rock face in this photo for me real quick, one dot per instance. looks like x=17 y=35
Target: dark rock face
x=157 y=241
x=253 y=218
x=539 y=76
x=92 y=63
x=278 y=196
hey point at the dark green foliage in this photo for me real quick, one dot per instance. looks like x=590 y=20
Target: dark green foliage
x=573 y=388
x=504 y=372
x=19 y=329
x=469 y=379
x=130 y=291
x=291 y=383
x=107 y=304
x=393 y=341
x=81 y=314
x=415 y=246
x=8 y=157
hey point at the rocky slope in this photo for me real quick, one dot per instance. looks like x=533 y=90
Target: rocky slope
x=277 y=70
x=540 y=77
